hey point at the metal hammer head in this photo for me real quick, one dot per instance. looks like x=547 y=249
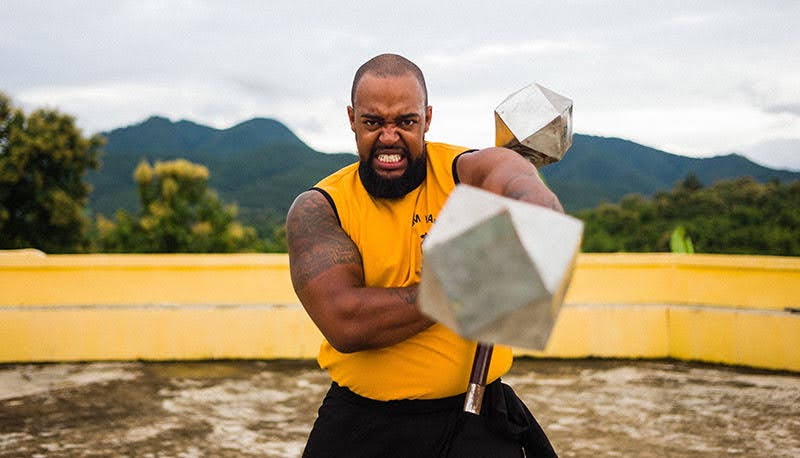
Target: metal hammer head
x=535 y=122
x=496 y=269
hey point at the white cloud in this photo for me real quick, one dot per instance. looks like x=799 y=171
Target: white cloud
x=792 y=108
x=466 y=120
x=112 y=104
x=781 y=153
x=690 y=19
x=507 y=51
x=692 y=130
x=703 y=80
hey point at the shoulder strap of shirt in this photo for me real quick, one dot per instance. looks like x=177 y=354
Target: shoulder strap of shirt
x=330 y=201
x=455 y=161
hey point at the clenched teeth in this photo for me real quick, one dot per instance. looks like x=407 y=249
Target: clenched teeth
x=389 y=158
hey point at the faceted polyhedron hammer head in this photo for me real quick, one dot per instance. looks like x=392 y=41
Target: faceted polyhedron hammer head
x=535 y=122
x=496 y=269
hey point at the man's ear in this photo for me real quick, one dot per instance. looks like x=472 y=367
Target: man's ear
x=351 y=113
x=428 y=116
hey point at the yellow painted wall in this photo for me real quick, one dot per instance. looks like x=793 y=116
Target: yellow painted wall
x=629 y=331
x=727 y=309
x=125 y=279
x=753 y=282
x=769 y=340
x=161 y=333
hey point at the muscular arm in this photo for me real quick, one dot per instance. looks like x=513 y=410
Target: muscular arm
x=328 y=277
x=504 y=172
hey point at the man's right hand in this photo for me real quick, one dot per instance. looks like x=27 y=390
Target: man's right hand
x=328 y=277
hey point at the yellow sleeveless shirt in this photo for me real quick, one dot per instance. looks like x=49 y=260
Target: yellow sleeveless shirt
x=436 y=362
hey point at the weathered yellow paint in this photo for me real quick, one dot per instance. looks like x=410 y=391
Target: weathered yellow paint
x=769 y=340
x=726 y=309
x=156 y=333
x=755 y=282
x=762 y=282
x=611 y=331
x=127 y=279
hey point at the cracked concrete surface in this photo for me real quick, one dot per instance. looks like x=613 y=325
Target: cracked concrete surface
x=589 y=408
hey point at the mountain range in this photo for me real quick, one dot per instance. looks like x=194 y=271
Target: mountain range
x=604 y=169
x=261 y=166
x=258 y=164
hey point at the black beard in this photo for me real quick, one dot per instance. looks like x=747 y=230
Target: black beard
x=395 y=188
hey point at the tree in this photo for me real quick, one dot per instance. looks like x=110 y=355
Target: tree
x=43 y=162
x=691 y=183
x=732 y=216
x=178 y=214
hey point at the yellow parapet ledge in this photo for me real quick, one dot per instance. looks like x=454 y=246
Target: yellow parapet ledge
x=754 y=282
x=126 y=279
x=724 y=309
x=608 y=331
x=755 y=338
x=156 y=333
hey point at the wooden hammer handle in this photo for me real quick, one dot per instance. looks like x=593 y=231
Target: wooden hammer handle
x=477 y=378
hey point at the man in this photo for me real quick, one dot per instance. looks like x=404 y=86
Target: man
x=355 y=256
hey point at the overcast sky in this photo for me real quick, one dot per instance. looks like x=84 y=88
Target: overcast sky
x=693 y=78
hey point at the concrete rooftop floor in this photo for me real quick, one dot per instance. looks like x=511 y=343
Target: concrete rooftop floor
x=589 y=408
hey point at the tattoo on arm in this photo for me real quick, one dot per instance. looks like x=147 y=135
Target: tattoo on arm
x=316 y=242
x=408 y=295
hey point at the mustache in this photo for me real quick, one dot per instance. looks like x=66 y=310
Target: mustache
x=379 y=148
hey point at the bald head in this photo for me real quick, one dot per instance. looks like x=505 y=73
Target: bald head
x=386 y=65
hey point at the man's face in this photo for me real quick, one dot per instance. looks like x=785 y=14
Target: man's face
x=390 y=120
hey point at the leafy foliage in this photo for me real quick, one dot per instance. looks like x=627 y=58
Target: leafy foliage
x=43 y=162
x=679 y=242
x=179 y=214
x=733 y=216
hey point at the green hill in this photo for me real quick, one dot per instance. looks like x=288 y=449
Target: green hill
x=258 y=164
x=261 y=165
x=600 y=169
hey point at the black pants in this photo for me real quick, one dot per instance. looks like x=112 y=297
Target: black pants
x=350 y=425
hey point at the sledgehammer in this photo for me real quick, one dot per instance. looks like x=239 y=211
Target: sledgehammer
x=495 y=270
